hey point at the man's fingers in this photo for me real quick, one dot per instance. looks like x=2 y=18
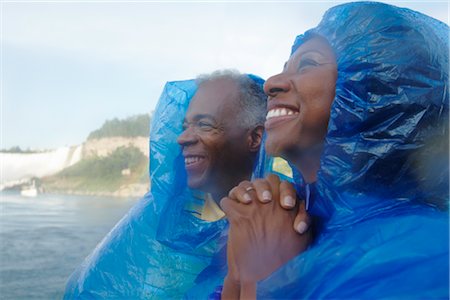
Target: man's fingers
x=263 y=190
x=287 y=195
x=302 y=220
x=243 y=193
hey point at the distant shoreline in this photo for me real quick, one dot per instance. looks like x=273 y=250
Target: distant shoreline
x=136 y=191
x=131 y=190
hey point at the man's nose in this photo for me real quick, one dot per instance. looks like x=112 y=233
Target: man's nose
x=276 y=84
x=187 y=137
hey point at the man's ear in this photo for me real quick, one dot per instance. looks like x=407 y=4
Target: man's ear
x=255 y=138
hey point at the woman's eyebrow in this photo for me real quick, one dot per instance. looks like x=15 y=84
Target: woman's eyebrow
x=306 y=52
x=312 y=51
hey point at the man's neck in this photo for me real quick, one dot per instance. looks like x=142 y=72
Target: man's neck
x=222 y=191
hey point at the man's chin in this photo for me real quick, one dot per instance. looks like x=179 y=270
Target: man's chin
x=196 y=183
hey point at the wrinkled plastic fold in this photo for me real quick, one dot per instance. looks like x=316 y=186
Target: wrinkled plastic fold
x=157 y=250
x=381 y=198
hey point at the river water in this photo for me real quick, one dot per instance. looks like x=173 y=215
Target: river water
x=43 y=239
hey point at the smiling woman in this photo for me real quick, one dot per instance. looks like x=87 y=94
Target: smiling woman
x=367 y=93
x=299 y=103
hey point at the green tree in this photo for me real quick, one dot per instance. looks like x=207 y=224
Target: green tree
x=138 y=125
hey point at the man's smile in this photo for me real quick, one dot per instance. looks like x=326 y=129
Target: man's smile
x=194 y=163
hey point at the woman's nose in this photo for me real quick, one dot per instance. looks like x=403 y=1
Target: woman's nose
x=276 y=84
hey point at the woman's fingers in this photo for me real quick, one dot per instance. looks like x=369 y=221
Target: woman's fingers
x=226 y=204
x=302 y=220
x=274 y=182
x=263 y=190
x=243 y=193
x=287 y=195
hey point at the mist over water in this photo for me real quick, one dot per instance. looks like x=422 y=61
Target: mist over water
x=43 y=239
x=17 y=166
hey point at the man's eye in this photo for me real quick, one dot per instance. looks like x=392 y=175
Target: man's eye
x=205 y=126
x=306 y=63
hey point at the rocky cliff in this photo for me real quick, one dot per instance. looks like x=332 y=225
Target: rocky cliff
x=97 y=167
x=105 y=146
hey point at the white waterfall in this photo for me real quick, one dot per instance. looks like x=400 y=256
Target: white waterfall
x=18 y=167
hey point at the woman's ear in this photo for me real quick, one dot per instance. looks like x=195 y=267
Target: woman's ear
x=255 y=138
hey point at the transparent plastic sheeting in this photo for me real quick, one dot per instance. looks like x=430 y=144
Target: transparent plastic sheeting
x=381 y=198
x=157 y=249
x=385 y=166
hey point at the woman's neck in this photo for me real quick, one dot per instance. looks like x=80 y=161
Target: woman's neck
x=306 y=161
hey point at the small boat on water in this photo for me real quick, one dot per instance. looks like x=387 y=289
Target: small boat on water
x=29 y=191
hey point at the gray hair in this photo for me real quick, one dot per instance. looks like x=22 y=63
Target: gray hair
x=252 y=99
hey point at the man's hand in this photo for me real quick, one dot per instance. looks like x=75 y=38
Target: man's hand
x=261 y=190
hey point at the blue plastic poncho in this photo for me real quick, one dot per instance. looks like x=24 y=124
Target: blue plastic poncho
x=382 y=192
x=160 y=247
x=384 y=170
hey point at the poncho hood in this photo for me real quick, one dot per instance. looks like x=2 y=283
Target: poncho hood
x=160 y=247
x=384 y=168
x=387 y=141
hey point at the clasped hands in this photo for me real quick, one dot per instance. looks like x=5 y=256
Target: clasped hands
x=268 y=227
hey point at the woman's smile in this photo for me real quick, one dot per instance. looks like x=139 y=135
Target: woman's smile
x=300 y=98
x=279 y=115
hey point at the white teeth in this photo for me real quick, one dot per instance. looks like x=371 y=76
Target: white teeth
x=191 y=159
x=280 y=112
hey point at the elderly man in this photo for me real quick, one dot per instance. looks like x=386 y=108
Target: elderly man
x=170 y=239
x=222 y=133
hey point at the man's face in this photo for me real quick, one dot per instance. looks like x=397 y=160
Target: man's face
x=214 y=145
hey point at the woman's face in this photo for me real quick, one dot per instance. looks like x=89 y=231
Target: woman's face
x=300 y=99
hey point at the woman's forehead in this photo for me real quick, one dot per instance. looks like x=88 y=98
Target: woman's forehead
x=315 y=44
x=317 y=47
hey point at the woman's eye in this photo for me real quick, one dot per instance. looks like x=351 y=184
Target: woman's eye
x=306 y=63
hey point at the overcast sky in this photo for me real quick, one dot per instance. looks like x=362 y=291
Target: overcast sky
x=69 y=66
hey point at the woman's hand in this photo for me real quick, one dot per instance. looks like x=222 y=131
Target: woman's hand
x=232 y=285
x=261 y=190
x=261 y=236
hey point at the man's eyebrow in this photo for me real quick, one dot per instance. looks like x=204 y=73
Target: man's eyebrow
x=204 y=116
x=201 y=116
